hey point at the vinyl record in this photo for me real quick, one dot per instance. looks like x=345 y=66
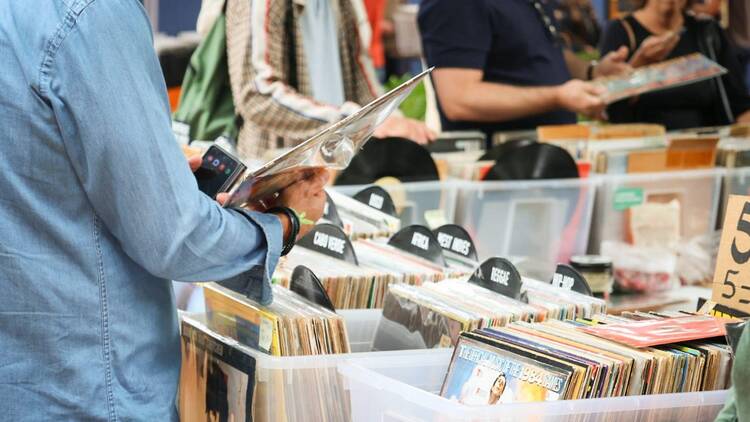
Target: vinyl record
x=391 y=157
x=533 y=161
x=505 y=148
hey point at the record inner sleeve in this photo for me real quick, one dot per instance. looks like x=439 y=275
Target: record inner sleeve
x=332 y=148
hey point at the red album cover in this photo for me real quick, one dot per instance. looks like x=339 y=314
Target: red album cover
x=661 y=331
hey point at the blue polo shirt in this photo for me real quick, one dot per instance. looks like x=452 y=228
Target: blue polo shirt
x=506 y=39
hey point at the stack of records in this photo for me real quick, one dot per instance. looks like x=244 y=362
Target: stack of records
x=364 y=286
x=222 y=380
x=349 y=286
x=406 y=267
x=290 y=326
x=433 y=315
x=362 y=221
x=557 y=360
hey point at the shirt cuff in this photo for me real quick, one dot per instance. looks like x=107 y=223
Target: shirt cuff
x=256 y=282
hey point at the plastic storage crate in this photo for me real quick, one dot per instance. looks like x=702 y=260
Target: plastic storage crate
x=404 y=388
x=424 y=203
x=536 y=224
x=299 y=388
x=698 y=192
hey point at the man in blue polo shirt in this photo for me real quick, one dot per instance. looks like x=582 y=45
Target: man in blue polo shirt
x=500 y=66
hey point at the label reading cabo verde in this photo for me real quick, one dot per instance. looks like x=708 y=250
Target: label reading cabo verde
x=331 y=243
x=329 y=240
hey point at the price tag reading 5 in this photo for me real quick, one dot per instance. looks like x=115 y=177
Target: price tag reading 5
x=731 y=285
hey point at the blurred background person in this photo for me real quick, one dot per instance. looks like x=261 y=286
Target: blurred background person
x=501 y=66
x=296 y=68
x=663 y=29
x=578 y=26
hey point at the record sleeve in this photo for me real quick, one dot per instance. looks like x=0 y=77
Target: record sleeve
x=332 y=148
x=663 y=331
x=482 y=375
x=667 y=74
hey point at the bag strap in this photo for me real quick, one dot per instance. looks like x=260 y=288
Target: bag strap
x=291 y=34
x=631 y=34
x=709 y=43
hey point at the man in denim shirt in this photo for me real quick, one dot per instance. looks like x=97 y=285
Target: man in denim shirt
x=98 y=209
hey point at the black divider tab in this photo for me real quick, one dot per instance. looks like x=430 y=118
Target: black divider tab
x=420 y=241
x=330 y=240
x=568 y=278
x=306 y=284
x=378 y=198
x=456 y=239
x=330 y=212
x=500 y=276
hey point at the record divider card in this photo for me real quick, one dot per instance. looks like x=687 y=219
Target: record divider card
x=500 y=276
x=455 y=239
x=331 y=213
x=306 y=284
x=331 y=241
x=378 y=198
x=420 y=241
x=568 y=278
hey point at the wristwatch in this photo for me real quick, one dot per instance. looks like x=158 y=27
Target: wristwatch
x=294 y=230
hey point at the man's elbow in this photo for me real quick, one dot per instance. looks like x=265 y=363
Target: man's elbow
x=456 y=111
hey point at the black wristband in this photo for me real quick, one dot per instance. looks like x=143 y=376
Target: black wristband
x=590 y=70
x=293 y=230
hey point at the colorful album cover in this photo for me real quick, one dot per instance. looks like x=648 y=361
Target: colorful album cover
x=482 y=375
x=216 y=380
x=648 y=333
x=667 y=74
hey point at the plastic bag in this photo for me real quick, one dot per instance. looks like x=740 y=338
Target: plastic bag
x=332 y=148
x=641 y=269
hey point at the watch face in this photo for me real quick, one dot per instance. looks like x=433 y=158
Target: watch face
x=217 y=168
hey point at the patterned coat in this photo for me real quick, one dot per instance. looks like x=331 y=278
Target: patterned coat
x=271 y=88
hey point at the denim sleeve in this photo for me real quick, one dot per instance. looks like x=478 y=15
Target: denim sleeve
x=105 y=86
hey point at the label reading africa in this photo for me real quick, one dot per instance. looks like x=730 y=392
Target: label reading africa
x=627 y=198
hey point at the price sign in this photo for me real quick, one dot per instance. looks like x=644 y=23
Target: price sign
x=731 y=287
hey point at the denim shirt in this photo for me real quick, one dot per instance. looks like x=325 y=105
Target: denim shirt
x=98 y=210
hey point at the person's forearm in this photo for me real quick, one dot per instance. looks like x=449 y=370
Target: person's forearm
x=577 y=67
x=492 y=102
x=744 y=117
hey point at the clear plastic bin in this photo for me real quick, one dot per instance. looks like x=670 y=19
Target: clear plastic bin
x=404 y=388
x=300 y=388
x=430 y=204
x=536 y=224
x=697 y=191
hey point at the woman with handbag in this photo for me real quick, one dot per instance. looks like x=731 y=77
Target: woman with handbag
x=660 y=30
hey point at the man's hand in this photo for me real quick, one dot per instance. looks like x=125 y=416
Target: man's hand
x=613 y=64
x=655 y=49
x=582 y=97
x=396 y=126
x=195 y=163
x=306 y=197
